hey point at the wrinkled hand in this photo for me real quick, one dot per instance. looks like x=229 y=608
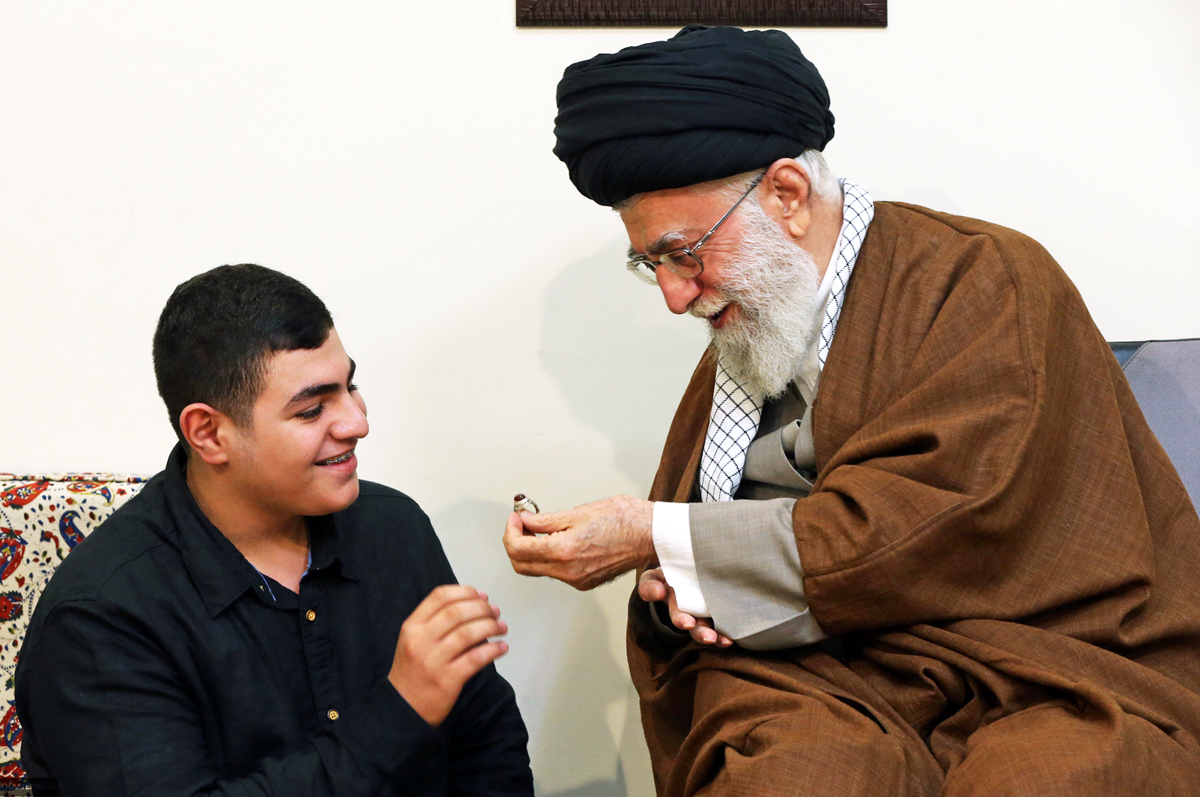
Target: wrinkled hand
x=585 y=546
x=442 y=644
x=653 y=586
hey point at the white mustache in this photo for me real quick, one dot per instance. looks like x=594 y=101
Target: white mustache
x=706 y=309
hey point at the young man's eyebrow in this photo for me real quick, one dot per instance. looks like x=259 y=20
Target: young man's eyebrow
x=315 y=391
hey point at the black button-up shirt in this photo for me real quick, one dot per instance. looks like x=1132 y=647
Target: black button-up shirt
x=160 y=662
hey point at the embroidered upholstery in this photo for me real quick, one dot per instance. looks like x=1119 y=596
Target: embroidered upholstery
x=42 y=517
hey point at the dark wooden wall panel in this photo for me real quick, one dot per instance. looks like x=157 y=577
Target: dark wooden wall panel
x=676 y=13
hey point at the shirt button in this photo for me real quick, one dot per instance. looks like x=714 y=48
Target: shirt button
x=333 y=715
x=311 y=615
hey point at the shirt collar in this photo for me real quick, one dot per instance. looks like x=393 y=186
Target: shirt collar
x=217 y=568
x=326 y=549
x=857 y=212
x=809 y=371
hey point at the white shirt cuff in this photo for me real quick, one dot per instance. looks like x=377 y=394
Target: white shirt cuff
x=672 y=532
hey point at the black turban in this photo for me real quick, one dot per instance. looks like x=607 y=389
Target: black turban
x=705 y=104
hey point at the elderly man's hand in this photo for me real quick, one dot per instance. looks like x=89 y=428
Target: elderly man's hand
x=585 y=546
x=653 y=586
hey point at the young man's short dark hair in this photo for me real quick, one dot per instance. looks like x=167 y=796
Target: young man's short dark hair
x=218 y=328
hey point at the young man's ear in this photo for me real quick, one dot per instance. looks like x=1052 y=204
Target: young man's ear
x=207 y=431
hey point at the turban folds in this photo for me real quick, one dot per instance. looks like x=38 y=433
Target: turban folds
x=705 y=104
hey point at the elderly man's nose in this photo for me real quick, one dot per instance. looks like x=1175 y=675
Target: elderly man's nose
x=679 y=292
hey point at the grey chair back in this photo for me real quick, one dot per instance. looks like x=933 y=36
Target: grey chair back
x=1165 y=377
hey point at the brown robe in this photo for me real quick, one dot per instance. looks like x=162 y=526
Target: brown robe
x=1003 y=552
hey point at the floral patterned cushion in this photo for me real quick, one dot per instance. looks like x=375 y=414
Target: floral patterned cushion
x=41 y=519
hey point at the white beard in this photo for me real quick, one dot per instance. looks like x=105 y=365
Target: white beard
x=774 y=283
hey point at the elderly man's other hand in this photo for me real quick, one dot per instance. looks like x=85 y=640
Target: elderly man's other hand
x=653 y=586
x=585 y=546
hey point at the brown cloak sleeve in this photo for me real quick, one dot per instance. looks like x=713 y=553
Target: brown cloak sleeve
x=988 y=492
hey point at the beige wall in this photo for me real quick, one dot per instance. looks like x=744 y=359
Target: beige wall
x=396 y=157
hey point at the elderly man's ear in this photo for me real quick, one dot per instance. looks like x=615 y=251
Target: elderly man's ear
x=789 y=197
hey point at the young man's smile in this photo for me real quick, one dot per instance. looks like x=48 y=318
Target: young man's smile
x=345 y=459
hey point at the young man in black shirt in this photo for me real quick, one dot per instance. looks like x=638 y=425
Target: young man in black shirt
x=256 y=621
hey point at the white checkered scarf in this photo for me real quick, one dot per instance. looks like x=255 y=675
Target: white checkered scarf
x=733 y=421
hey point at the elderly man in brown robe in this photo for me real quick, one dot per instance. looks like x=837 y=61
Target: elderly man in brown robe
x=910 y=534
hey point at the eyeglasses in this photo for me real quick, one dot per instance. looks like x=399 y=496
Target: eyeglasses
x=683 y=262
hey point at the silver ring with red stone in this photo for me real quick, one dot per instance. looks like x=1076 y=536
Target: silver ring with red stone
x=523 y=503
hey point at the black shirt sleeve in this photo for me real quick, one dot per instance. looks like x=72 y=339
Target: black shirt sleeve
x=487 y=740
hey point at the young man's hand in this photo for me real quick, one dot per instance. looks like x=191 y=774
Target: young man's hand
x=442 y=644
